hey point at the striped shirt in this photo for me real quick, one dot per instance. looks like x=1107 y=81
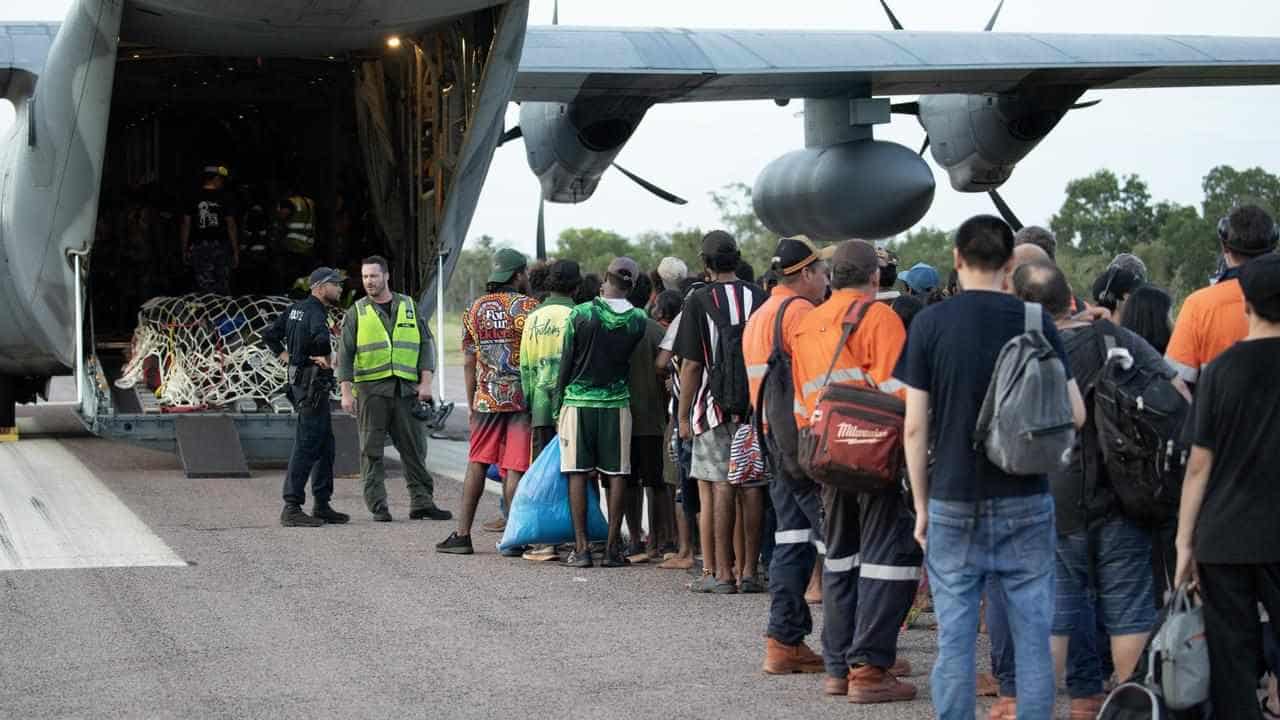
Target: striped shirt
x=705 y=311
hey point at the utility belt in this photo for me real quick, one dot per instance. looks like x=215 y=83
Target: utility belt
x=310 y=387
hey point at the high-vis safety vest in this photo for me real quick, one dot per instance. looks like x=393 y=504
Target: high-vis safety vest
x=300 y=229
x=378 y=356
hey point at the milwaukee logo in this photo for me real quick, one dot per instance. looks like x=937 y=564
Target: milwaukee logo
x=854 y=435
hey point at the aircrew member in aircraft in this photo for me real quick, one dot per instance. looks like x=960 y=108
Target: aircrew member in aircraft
x=385 y=364
x=209 y=241
x=305 y=329
x=297 y=216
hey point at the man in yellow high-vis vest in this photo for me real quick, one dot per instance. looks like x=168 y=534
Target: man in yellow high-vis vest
x=385 y=364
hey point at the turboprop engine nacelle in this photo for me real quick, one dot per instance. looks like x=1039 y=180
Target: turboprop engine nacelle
x=979 y=139
x=857 y=189
x=570 y=146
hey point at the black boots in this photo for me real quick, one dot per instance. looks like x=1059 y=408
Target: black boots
x=292 y=516
x=322 y=511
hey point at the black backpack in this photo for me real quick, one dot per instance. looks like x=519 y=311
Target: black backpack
x=727 y=373
x=1139 y=416
x=775 y=403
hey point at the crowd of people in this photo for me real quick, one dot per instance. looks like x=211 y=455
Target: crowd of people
x=669 y=387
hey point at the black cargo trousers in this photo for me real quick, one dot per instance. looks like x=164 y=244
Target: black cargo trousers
x=869 y=577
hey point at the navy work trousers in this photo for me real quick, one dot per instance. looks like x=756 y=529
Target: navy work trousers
x=313 y=452
x=869 y=578
x=799 y=517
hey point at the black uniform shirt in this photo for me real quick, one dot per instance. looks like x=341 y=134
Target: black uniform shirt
x=305 y=329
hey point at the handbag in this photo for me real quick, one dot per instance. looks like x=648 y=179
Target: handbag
x=854 y=441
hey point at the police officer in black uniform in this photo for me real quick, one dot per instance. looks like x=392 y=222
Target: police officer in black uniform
x=305 y=327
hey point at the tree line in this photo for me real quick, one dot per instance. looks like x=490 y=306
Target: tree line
x=1102 y=215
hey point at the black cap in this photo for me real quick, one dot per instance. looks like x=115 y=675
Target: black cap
x=796 y=253
x=718 y=243
x=1113 y=284
x=1260 y=278
x=322 y=275
x=564 y=272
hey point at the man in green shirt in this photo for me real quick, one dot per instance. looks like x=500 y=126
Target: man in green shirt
x=384 y=399
x=541 y=345
x=595 y=420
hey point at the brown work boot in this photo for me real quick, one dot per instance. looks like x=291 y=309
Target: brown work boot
x=1006 y=708
x=1087 y=708
x=870 y=684
x=496 y=525
x=835 y=685
x=901 y=668
x=782 y=659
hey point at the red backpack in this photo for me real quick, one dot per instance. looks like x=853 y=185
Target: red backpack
x=854 y=439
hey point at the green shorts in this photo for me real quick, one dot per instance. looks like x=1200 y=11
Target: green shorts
x=595 y=439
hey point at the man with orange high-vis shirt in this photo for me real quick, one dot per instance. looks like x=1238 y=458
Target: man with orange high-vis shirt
x=1212 y=319
x=872 y=567
x=803 y=279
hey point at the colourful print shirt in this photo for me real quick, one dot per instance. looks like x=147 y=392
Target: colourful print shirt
x=491 y=330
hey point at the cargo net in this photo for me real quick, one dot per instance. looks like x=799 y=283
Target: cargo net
x=205 y=350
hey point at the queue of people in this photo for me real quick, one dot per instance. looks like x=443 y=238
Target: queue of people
x=672 y=386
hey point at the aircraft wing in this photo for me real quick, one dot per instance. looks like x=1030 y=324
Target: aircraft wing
x=562 y=63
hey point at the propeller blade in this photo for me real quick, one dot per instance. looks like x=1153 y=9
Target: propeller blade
x=906 y=108
x=925 y=146
x=540 y=250
x=669 y=197
x=992 y=22
x=1083 y=105
x=893 y=19
x=510 y=135
x=1005 y=211
x=555 y=13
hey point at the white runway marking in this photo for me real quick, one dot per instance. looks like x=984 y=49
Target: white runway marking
x=54 y=513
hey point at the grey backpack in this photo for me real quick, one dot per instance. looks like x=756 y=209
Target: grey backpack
x=1025 y=425
x=1181 y=655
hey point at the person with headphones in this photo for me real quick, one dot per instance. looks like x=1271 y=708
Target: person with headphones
x=209 y=240
x=1213 y=319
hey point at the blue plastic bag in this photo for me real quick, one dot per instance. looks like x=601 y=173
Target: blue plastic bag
x=539 y=513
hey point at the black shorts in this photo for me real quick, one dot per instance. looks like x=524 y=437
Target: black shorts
x=646 y=460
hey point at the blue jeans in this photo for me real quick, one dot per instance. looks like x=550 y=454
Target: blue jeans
x=1009 y=539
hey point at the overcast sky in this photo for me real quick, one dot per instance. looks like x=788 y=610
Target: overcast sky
x=1169 y=137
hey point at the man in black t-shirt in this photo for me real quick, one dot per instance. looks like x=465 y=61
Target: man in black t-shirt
x=979 y=521
x=209 y=242
x=718 y=307
x=1227 y=523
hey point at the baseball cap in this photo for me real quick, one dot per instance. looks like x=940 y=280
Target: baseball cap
x=796 y=253
x=322 y=275
x=1132 y=263
x=672 y=270
x=506 y=263
x=565 y=272
x=1260 y=278
x=625 y=268
x=859 y=254
x=922 y=278
x=718 y=243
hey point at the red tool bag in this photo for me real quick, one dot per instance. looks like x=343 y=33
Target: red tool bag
x=854 y=439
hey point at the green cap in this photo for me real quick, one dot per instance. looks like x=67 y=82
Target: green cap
x=507 y=262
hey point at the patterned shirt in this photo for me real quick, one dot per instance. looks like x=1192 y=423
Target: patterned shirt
x=540 y=350
x=491 y=330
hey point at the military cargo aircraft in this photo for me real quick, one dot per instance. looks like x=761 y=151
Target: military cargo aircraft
x=407 y=100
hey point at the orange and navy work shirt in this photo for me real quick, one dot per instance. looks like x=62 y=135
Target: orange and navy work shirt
x=872 y=351
x=757 y=336
x=1212 y=319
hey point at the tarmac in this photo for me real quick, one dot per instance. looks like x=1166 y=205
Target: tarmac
x=252 y=620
